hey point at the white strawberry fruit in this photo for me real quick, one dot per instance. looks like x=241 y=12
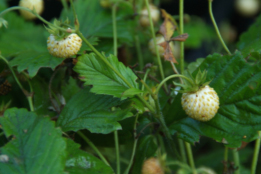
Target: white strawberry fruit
x=144 y=15
x=201 y=105
x=152 y=166
x=65 y=47
x=199 y=101
x=37 y=5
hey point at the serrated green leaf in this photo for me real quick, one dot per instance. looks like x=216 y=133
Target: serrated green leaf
x=79 y=162
x=194 y=65
x=89 y=111
x=37 y=147
x=238 y=118
x=105 y=81
x=97 y=22
x=250 y=41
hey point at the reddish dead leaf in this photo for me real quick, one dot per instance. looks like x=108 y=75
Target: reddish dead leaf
x=181 y=38
x=168 y=55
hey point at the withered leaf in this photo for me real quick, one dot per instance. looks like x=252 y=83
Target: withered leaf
x=167 y=28
x=168 y=55
x=181 y=37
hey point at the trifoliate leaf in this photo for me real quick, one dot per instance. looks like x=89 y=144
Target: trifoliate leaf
x=238 y=119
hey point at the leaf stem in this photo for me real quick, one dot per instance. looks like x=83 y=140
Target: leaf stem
x=76 y=22
x=36 y=14
x=181 y=29
x=216 y=27
x=236 y=160
x=183 y=165
x=114 y=27
x=116 y=140
x=134 y=145
x=226 y=154
x=155 y=43
x=190 y=157
x=182 y=150
x=140 y=58
x=256 y=153
x=170 y=77
x=93 y=147
x=28 y=96
x=145 y=78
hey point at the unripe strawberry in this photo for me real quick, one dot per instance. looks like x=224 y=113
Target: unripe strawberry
x=201 y=105
x=38 y=5
x=152 y=166
x=64 y=48
x=144 y=15
x=159 y=39
x=247 y=7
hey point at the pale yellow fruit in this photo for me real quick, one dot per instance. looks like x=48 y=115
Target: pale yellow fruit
x=144 y=15
x=247 y=8
x=64 y=48
x=38 y=5
x=152 y=166
x=201 y=105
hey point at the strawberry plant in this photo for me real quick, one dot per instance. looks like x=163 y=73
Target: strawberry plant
x=107 y=87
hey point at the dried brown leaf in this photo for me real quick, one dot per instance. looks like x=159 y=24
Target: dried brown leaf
x=181 y=38
x=168 y=55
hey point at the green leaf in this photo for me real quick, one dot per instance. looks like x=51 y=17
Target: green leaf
x=95 y=21
x=37 y=146
x=194 y=65
x=146 y=148
x=238 y=85
x=105 y=81
x=250 y=40
x=89 y=111
x=79 y=162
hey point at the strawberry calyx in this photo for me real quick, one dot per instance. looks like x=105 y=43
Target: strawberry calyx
x=191 y=84
x=55 y=30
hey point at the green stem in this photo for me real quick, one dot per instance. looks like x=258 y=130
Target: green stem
x=170 y=77
x=140 y=58
x=145 y=78
x=148 y=88
x=155 y=43
x=93 y=147
x=190 y=157
x=36 y=14
x=183 y=165
x=114 y=25
x=65 y=5
x=236 y=160
x=181 y=29
x=134 y=145
x=182 y=150
x=29 y=98
x=76 y=22
x=226 y=154
x=216 y=27
x=116 y=139
x=165 y=129
x=256 y=153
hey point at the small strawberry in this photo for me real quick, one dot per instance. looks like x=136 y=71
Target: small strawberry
x=199 y=101
x=64 y=48
x=144 y=15
x=152 y=166
x=37 y=5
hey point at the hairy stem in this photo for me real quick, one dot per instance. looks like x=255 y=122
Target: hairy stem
x=116 y=139
x=226 y=154
x=190 y=157
x=216 y=27
x=115 y=46
x=155 y=43
x=181 y=29
x=93 y=147
x=256 y=153
x=236 y=160
x=134 y=145
x=182 y=151
x=28 y=96
x=170 y=77
x=140 y=58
